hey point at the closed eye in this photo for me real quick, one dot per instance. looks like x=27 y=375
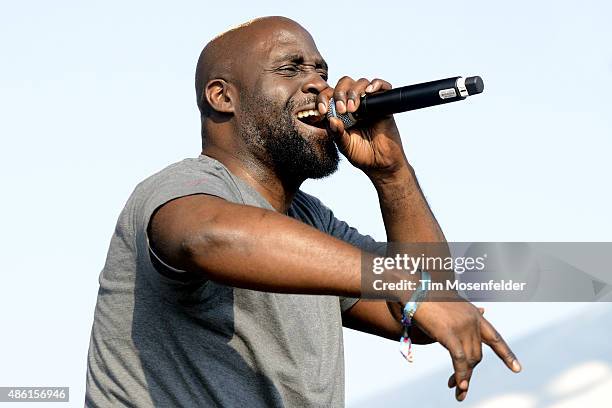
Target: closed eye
x=288 y=70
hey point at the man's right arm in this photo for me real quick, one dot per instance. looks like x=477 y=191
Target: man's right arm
x=253 y=248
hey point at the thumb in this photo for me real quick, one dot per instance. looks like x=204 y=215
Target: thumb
x=340 y=136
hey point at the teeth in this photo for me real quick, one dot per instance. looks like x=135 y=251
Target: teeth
x=306 y=113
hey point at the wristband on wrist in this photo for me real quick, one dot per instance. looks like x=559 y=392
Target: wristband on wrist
x=410 y=309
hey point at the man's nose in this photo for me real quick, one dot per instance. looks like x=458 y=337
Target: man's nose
x=314 y=84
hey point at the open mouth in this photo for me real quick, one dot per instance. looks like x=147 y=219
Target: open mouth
x=311 y=117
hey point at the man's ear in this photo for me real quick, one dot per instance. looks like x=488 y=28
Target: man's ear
x=220 y=95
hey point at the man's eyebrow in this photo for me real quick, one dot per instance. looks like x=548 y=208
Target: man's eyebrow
x=299 y=59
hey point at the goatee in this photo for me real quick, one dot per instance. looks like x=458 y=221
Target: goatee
x=271 y=132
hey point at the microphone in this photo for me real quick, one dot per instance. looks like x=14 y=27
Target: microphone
x=409 y=98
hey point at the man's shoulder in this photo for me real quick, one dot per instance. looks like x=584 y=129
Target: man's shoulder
x=196 y=175
x=189 y=172
x=187 y=167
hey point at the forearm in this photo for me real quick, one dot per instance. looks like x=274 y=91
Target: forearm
x=372 y=317
x=409 y=220
x=405 y=211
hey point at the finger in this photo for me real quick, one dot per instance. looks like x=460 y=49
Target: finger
x=322 y=101
x=460 y=395
x=340 y=93
x=341 y=138
x=475 y=353
x=461 y=378
x=378 y=85
x=493 y=339
x=473 y=349
x=473 y=356
x=354 y=94
x=337 y=128
x=462 y=388
x=462 y=369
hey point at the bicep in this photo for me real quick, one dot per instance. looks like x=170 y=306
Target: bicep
x=252 y=248
x=178 y=222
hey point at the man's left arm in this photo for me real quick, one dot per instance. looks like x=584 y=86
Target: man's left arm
x=407 y=219
x=376 y=149
x=406 y=214
x=368 y=316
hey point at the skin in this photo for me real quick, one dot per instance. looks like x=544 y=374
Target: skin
x=229 y=243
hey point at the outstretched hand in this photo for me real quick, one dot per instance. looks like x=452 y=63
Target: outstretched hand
x=461 y=328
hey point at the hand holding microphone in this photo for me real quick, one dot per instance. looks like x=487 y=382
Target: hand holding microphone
x=375 y=146
x=409 y=98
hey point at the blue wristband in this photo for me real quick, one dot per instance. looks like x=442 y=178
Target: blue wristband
x=417 y=297
x=409 y=310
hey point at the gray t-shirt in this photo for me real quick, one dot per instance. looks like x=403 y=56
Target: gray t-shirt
x=160 y=341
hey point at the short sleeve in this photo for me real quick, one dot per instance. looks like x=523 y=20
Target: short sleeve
x=181 y=184
x=180 y=180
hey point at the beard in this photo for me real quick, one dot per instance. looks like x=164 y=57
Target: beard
x=271 y=134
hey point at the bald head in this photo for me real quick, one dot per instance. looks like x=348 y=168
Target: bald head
x=225 y=57
x=251 y=83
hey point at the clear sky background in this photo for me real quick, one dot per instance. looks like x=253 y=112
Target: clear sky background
x=95 y=96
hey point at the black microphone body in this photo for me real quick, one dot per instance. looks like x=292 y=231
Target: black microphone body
x=409 y=98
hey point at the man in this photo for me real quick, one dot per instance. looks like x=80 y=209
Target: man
x=225 y=285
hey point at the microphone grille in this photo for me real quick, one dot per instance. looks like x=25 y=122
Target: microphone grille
x=346 y=118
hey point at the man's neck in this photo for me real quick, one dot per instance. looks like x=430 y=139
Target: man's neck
x=279 y=193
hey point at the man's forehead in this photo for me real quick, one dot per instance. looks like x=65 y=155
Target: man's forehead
x=277 y=44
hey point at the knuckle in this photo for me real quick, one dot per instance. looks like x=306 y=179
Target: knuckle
x=382 y=82
x=474 y=316
x=352 y=94
x=325 y=94
x=458 y=355
x=462 y=374
x=496 y=338
x=345 y=79
x=473 y=362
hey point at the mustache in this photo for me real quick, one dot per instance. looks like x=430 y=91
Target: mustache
x=292 y=104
